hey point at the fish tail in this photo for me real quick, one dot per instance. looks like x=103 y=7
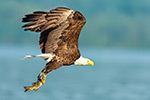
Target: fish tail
x=27 y=88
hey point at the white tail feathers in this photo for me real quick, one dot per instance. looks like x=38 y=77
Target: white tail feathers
x=28 y=56
x=48 y=57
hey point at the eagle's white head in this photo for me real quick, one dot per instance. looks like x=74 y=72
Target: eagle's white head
x=83 y=61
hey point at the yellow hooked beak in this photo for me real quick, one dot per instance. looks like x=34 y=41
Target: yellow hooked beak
x=90 y=63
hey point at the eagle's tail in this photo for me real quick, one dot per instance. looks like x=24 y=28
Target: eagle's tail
x=28 y=56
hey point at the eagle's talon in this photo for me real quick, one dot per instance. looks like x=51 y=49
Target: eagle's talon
x=42 y=77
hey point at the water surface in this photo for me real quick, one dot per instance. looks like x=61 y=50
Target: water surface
x=118 y=74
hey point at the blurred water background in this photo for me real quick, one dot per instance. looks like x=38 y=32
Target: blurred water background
x=116 y=37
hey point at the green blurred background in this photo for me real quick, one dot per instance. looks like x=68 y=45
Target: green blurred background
x=110 y=23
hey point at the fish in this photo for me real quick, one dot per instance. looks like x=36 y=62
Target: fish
x=35 y=86
x=38 y=84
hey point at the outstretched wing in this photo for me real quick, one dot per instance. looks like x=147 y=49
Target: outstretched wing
x=57 y=27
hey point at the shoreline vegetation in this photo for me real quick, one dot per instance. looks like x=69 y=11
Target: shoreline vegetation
x=109 y=24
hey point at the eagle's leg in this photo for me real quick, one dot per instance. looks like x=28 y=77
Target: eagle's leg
x=41 y=80
x=42 y=76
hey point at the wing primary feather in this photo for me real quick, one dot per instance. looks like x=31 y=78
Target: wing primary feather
x=56 y=11
x=29 y=19
x=32 y=15
x=29 y=24
x=40 y=12
x=52 y=18
x=52 y=25
x=62 y=8
x=52 y=21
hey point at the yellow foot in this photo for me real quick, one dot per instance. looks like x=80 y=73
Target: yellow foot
x=34 y=86
x=42 y=77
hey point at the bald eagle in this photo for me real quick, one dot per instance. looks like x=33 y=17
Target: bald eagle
x=60 y=29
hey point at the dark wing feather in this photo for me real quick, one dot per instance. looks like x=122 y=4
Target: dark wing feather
x=59 y=28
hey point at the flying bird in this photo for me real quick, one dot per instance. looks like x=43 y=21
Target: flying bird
x=59 y=33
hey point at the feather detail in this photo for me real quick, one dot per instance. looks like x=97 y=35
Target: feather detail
x=47 y=57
